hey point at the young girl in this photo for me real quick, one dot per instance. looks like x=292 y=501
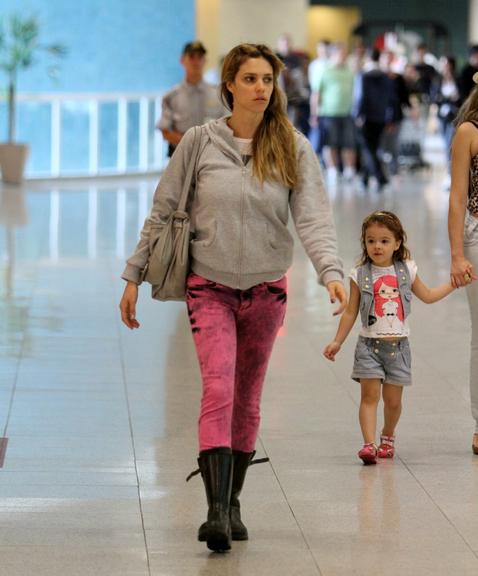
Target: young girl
x=381 y=289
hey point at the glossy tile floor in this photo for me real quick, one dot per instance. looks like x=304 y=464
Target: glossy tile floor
x=101 y=422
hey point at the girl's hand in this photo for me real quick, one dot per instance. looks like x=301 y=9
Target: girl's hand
x=128 y=305
x=331 y=350
x=337 y=291
x=461 y=272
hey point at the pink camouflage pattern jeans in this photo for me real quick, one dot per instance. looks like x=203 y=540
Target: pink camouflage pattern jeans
x=234 y=332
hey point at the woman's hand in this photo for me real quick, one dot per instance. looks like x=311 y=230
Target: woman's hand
x=461 y=272
x=337 y=292
x=128 y=305
x=331 y=350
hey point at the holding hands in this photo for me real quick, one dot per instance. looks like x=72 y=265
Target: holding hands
x=461 y=272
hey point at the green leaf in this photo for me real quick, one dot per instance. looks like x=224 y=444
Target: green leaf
x=19 y=47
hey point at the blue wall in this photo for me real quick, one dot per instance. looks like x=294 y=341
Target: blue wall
x=114 y=45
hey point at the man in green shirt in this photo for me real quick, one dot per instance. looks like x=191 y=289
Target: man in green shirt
x=335 y=98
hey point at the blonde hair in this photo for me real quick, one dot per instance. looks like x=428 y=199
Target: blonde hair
x=273 y=145
x=392 y=223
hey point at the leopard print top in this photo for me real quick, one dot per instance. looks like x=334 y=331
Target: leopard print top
x=473 y=187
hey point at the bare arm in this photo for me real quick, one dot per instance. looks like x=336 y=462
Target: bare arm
x=346 y=322
x=460 y=167
x=430 y=295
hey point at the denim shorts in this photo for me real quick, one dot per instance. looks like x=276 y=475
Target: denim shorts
x=339 y=131
x=387 y=360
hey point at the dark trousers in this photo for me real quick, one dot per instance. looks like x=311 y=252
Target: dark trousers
x=372 y=166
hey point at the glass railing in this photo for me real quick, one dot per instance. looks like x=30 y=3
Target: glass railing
x=89 y=134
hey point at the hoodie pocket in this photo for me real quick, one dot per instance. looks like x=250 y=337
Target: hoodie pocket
x=278 y=240
x=206 y=236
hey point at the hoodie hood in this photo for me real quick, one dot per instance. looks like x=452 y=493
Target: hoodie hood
x=223 y=138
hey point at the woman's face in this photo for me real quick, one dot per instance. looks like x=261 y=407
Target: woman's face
x=253 y=85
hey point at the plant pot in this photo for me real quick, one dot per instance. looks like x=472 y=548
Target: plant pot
x=13 y=158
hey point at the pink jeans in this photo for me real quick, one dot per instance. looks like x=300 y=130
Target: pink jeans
x=234 y=331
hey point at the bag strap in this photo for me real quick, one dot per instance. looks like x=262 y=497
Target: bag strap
x=190 y=171
x=251 y=463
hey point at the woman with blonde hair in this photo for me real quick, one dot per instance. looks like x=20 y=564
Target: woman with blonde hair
x=463 y=226
x=253 y=167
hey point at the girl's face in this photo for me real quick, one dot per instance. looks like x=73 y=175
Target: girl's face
x=381 y=244
x=253 y=85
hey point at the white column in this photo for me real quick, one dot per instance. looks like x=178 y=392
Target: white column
x=55 y=137
x=143 y=133
x=473 y=22
x=93 y=137
x=122 y=133
x=159 y=141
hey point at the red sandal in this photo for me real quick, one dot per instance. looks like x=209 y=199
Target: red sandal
x=387 y=447
x=368 y=454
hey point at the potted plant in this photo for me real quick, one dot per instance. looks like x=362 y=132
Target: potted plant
x=19 y=45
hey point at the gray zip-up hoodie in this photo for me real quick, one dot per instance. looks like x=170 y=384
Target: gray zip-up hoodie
x=240 y=225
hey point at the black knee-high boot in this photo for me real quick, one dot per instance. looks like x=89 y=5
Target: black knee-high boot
x=242 y=461
x=241 y=464
x=216 y=466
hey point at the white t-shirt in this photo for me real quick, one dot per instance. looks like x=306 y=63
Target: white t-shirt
x=388 y=304
x=244 y=145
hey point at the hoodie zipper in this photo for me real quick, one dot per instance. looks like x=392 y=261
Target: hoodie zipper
x=241 y=231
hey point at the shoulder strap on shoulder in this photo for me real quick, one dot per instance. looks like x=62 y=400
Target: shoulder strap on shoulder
x=190 y=170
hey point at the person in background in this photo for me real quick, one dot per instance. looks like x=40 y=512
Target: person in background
x=335 y=99
x=427 y=74
x=401 y=99
x=373 y=111
x=316 y=68
x=465 y=81
x=446 y=95
x=294 y=82
x=190 y=103
x=358 y=58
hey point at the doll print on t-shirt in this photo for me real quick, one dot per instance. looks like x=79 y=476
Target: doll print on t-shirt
x=388 y=306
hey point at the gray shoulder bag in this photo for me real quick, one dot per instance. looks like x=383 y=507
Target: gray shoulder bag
x=168 y=264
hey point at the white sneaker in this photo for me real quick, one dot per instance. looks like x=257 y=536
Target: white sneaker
x=332 y=176
x=349 y=173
